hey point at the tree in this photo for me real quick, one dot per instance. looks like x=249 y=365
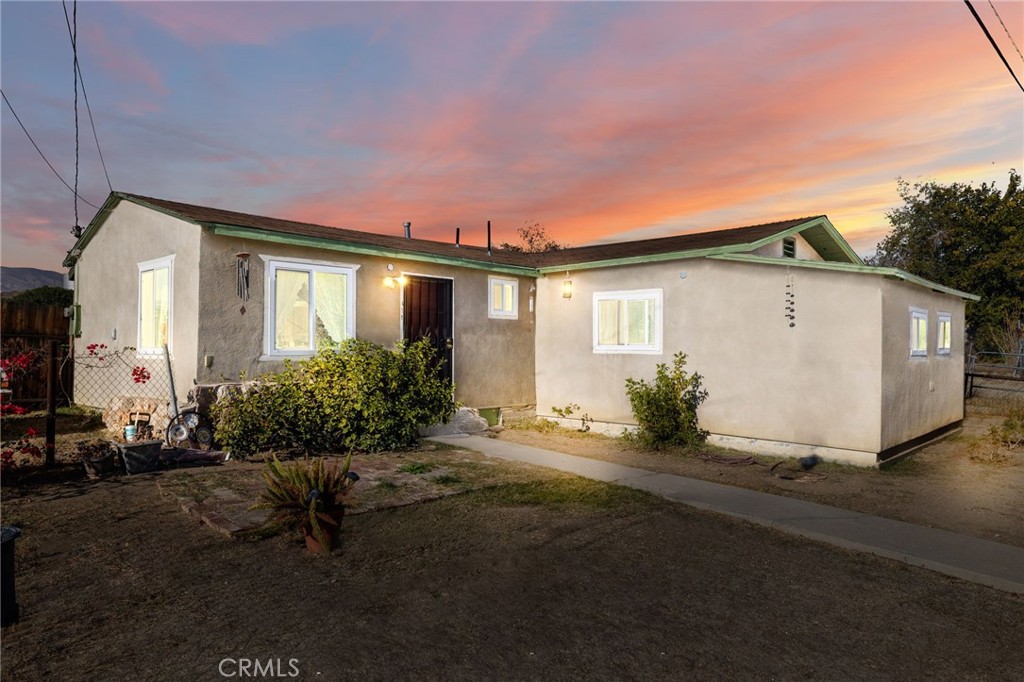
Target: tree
x=45 y=296
x=965 y=237
x=533 y=238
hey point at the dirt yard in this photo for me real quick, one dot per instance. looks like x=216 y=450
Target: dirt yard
x=940 y=486
x=539 y=576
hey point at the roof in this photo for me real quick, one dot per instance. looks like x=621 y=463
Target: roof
x=819 y=231
x=734 y=244
x=693 y=241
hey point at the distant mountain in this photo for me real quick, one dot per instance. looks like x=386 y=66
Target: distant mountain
x=22 y=279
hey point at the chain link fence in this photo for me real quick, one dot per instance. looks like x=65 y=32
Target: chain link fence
x=126 y=386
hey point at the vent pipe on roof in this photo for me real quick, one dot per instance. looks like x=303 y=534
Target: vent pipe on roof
x=488 y=237
x=457 y=244
x=408 y=230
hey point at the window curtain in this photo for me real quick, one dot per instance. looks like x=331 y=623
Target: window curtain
x=291 y=310
x=154 y=308
x=331 y=304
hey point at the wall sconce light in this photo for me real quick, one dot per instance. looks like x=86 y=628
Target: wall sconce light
x=566 y=286
x=391 y=281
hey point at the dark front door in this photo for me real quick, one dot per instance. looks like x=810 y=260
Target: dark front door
x=427 y=313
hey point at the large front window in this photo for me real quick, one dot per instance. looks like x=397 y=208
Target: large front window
x=628 y=321
x=310 y=306
x=154 y=305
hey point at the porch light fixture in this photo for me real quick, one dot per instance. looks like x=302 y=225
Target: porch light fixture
x=391 y=281
x=566 y=286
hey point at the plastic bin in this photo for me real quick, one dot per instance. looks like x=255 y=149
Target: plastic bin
x=141 y=456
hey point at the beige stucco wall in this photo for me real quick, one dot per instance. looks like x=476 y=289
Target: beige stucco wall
x=493 y=358
x=818 y=383
x=920 y=393
x=107 y=288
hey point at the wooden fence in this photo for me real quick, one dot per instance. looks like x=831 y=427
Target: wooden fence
x=26 y=330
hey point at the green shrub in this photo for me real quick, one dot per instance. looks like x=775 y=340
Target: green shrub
x=361 y=397
x=259 y=419
x=666 y=410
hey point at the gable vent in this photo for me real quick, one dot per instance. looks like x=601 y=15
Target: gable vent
x=789 y=247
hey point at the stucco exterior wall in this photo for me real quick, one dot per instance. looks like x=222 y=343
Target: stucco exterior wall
x=107 y=288
x=817 y=383
x=493 y=357
x=919 y=393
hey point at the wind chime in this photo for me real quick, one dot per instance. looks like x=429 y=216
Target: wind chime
x=790 y=298
x=242 y=276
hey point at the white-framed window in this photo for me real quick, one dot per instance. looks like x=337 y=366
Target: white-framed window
x=628 y=321
x=502 y=298
x=310 y=305
x=918 y=331
x=156 y=287
x=944 y=342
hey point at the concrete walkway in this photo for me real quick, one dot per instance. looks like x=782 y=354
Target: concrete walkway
x=981 y=561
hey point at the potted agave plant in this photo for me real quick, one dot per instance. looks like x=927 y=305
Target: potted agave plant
x=309 y=495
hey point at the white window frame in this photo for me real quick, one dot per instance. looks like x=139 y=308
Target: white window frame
x=915 y=315
x=498 y=313
x=947 y=319
x=652 y=348
x=149 y=266
x=275 y=263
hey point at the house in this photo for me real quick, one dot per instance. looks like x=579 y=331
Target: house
x=803 y=348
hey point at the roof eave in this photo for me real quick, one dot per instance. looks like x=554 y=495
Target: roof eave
x=828 y=233
x=650 y=258
x=821 y=222
x=848 y=267
x=261 y=234
x=113 y=199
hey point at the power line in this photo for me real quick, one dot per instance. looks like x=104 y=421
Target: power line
x=85 y=96
x=994 y=46
x=76 y=229
x=1006 y=30
x=16 y=118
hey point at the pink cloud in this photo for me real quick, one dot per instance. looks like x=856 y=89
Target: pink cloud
x=122 y=59
x=246 y=23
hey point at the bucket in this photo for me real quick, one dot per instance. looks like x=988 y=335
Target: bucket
x=129 y=433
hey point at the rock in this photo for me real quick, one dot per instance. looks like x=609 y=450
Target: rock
x=465 y=420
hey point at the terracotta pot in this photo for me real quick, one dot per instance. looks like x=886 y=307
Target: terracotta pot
x=330 y=527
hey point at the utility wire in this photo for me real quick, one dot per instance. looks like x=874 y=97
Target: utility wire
x=76 y=229
x=1006 y=30
x=994 y=46
x=85 y=96
x=16 y=118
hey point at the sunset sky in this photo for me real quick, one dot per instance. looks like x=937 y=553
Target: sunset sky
x=602 y=121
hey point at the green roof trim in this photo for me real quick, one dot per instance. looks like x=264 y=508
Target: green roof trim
x=90 y=230
x=847 y=267
x=652 y=258
x=113 y=199
x=818 y=232
x=349 y=247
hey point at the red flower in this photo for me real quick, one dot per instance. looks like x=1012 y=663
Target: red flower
x=31 y=433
